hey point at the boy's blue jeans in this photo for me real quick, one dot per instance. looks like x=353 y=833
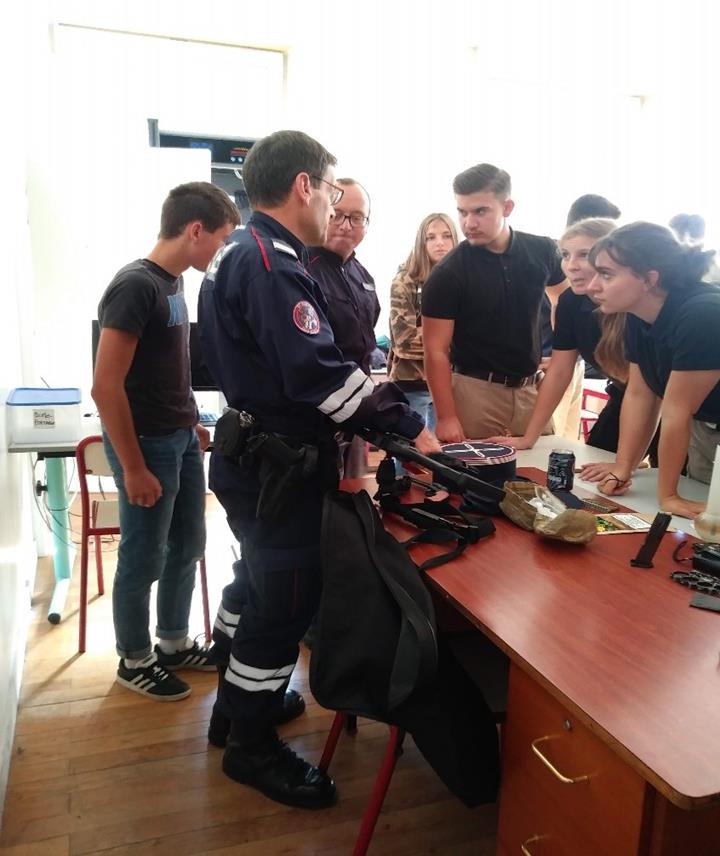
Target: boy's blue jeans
x=162 y=543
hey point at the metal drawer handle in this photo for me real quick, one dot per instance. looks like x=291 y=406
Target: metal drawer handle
x=553 y=769
x=524 y=845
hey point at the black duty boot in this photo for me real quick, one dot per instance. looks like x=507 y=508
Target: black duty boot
x=275 y=770
x=219 y=728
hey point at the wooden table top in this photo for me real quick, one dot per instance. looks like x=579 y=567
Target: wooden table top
x=619 y=646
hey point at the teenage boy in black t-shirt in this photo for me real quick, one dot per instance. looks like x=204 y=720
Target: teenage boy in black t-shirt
x=481 y=315
x=153 y=442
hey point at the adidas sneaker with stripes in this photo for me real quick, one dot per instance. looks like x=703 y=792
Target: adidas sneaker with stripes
x=151 y=679
x=196 y=657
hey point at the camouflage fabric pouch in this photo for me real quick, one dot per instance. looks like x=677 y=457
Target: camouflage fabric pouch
x=534 y=508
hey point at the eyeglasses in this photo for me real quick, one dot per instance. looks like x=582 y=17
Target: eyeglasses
x=336 y=194
x=355 y=219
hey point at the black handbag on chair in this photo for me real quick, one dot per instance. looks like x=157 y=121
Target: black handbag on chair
x=376 y=651
x=376 y=640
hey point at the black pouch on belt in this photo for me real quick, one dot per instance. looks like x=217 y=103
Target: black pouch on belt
x=283 y=469
x=232 y=433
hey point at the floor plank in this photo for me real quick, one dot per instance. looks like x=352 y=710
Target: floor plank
x=49 y=847
x=98 y=769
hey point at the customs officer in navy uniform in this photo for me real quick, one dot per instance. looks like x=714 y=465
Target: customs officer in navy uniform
x=268 y=343
x=353 y=306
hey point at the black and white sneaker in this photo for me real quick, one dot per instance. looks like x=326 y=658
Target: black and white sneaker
x=195 y=657
x=151 y=679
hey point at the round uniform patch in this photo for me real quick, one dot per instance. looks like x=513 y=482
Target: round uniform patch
x=306 y=318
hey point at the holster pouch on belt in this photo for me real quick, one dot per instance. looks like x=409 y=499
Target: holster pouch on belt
x=282 y=470
x=283 y=463
x=232 y=433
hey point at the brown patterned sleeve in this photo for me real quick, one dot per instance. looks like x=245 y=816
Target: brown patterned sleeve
x=405 y=329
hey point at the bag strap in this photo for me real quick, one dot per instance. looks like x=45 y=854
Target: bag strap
x=417 y=632
x=441 y=514
x=437 y=536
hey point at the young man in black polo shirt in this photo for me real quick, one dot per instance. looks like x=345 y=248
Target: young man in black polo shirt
x=481 y=314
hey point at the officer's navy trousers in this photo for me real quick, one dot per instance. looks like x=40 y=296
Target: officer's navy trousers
x=274 y=595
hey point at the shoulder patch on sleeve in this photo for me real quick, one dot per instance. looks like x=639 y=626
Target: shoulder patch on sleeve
x=306 y=318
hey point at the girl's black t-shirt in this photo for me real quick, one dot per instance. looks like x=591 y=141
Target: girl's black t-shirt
x=684 y=337
x=577 y=326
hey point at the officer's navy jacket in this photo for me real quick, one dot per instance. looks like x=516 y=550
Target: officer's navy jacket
x=353 y=306
x=267 y=342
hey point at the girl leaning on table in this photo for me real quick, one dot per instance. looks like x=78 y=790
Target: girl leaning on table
x=672 y=342
x=580 y=329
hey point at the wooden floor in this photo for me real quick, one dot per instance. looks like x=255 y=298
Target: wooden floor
x=99 y=769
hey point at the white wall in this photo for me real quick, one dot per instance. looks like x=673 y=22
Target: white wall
x=17 y=552
x=95 y=204
x=410 y=93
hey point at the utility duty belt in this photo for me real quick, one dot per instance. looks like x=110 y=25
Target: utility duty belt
x=284 y=463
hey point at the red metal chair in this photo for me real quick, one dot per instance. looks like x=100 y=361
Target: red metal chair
x=101 y=517
x=484 y=662
x=393 y=750
x=593 y=402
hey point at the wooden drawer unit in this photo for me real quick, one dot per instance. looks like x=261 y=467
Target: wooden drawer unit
x=564 y=791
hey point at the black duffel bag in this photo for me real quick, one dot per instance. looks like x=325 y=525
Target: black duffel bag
x=376 y=651
x=375 y=640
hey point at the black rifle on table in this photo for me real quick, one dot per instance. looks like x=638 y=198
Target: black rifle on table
x=440 y=519
x=455 y=476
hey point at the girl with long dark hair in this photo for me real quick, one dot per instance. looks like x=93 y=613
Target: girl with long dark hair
x=673 y=347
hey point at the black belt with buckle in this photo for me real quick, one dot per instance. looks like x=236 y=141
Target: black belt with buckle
x=502 y=379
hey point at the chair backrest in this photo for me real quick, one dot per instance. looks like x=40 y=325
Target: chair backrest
x=92 y=461
x=91 y=457
x=594 y=401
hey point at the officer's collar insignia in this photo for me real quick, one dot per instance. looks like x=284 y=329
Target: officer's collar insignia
x=306 y=318
x=282 y=247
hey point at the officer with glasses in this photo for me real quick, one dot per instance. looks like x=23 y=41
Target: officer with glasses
x=353 y=306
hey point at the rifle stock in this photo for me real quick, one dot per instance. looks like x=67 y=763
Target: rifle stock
x=454 y=476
